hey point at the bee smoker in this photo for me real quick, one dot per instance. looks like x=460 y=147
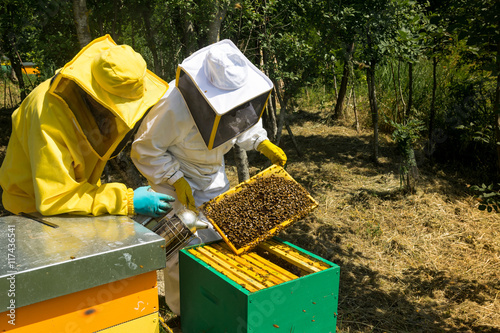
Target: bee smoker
x=178 y=230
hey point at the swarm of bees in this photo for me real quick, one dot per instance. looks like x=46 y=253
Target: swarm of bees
x=247 y=215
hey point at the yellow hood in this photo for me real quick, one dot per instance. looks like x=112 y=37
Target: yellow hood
x=116 y=77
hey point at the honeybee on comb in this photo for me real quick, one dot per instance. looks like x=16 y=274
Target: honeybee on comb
x=248 y=215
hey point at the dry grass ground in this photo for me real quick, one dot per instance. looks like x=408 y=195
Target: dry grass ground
x=422 y=262
x=425 y=262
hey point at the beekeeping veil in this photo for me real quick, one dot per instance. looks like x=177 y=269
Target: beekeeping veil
x=225 y=93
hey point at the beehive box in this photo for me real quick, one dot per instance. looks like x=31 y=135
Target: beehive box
x=257 y=209
x=86 y=274
x=276 y=287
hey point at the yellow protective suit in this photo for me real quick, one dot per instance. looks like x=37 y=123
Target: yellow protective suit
x=57 y=153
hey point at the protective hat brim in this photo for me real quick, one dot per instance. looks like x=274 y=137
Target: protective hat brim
x=128 y=110
x=223 y=100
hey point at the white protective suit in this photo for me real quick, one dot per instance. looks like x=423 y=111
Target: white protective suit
x=167 y=147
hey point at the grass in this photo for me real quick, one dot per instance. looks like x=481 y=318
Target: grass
x=10 y=93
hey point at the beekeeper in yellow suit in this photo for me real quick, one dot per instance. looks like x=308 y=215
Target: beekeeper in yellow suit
x=216 y=101
x=66 y=130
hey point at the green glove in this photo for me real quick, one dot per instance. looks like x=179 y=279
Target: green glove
x=272 y=152
x=185 y=194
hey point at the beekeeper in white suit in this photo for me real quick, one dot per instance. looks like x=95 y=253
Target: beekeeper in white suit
x=216 y=101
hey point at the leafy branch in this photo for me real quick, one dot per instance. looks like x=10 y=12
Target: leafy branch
x=488 y=196
x=406 y=135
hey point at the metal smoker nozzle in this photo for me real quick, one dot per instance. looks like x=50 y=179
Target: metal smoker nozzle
x=179 y=230
x=190 y=220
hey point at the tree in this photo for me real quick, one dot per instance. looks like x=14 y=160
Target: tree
x=374 y=35
x=341 y=29
x=33 y=39
x=12 y=27
x=475 y=24
x=412 y=27
x=81 y=22
x=344 y=82
x=379 y=31
x=277 y=37
x=479 y=24
x=405 y=135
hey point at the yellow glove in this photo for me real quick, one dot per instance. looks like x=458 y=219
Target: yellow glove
x=272 y=152
x=185 y=194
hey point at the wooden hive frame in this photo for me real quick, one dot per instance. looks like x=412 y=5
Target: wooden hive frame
x=273 y=170
x=253 y=271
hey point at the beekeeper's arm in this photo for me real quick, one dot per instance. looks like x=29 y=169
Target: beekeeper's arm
x=60 y=185
x=256 y=138
x=165 y=125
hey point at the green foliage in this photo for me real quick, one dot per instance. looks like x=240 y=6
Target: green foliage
x=406 y=135
x=477 y=23
x=373 y=229
x=477 y=133
x=39 y=32
x=465 y=117
x=488 y=196
x=304 y=44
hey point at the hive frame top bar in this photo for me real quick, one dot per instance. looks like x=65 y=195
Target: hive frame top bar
x=274 y=170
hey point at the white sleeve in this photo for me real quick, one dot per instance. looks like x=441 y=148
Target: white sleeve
x=164 y=125
x=251 y=138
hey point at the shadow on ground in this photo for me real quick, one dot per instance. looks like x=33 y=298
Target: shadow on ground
x=365 y=305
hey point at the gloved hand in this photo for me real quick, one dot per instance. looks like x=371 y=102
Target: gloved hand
x=151 y=203
x=272 y=152
x=185 y=194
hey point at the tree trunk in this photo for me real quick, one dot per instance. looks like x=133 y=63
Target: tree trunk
x=432 y=112
x=81 y=22
x=17 y=68
x=335 y=82
x=370 y=79
x=189 y=37
x=401 y=91
x=126 y=168
x=281 y=121
x=355 y=109
x=295 y=144
x=270 y=120
x=150 y=37
x=396 y=101
x=271 y=125
x=339 y=106
x=241 y=160
x=497 y=109
x=10 y=48
x=215 y=24
x=348 y=101
x=410 y=91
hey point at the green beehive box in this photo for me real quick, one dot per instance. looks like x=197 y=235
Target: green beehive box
x=224 y=292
